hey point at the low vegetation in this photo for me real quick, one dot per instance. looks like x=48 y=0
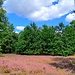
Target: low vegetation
x=13 y=64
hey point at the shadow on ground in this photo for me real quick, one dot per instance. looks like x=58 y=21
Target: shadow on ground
x=64 y=63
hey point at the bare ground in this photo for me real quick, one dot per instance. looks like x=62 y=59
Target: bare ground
x=12 y=64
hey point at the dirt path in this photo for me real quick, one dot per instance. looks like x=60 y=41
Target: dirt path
x=12 y=64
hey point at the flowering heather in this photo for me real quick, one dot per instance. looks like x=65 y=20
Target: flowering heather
x=13 y=64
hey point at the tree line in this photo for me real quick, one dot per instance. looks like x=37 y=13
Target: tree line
x=47 y=40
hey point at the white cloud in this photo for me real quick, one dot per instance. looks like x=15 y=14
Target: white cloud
x=17 y=32
x=39 y=10
x=70 y=17
x=20 y=27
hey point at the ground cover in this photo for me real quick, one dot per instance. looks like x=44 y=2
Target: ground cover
x=12 y=64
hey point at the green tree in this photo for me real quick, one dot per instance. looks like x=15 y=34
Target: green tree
x=69 y=39
x=3 y=21
x=9 y=41
x=29 y=40
x=48 y=34
x=7 y=35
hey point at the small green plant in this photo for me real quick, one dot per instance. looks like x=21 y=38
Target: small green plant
x=0 y=49
x=1 y=55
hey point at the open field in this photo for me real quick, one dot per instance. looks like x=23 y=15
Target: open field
x=12 y=64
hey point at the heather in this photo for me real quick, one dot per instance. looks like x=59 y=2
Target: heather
x=12 y=64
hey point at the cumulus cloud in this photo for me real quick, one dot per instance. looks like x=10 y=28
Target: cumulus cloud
x=20 y=27
x=70 y=17
x=17 y=32
x=39 y=10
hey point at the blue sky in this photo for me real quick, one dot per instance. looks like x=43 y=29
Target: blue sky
x=52 y=12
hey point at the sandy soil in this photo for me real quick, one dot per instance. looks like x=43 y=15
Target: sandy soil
x=12 y=64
